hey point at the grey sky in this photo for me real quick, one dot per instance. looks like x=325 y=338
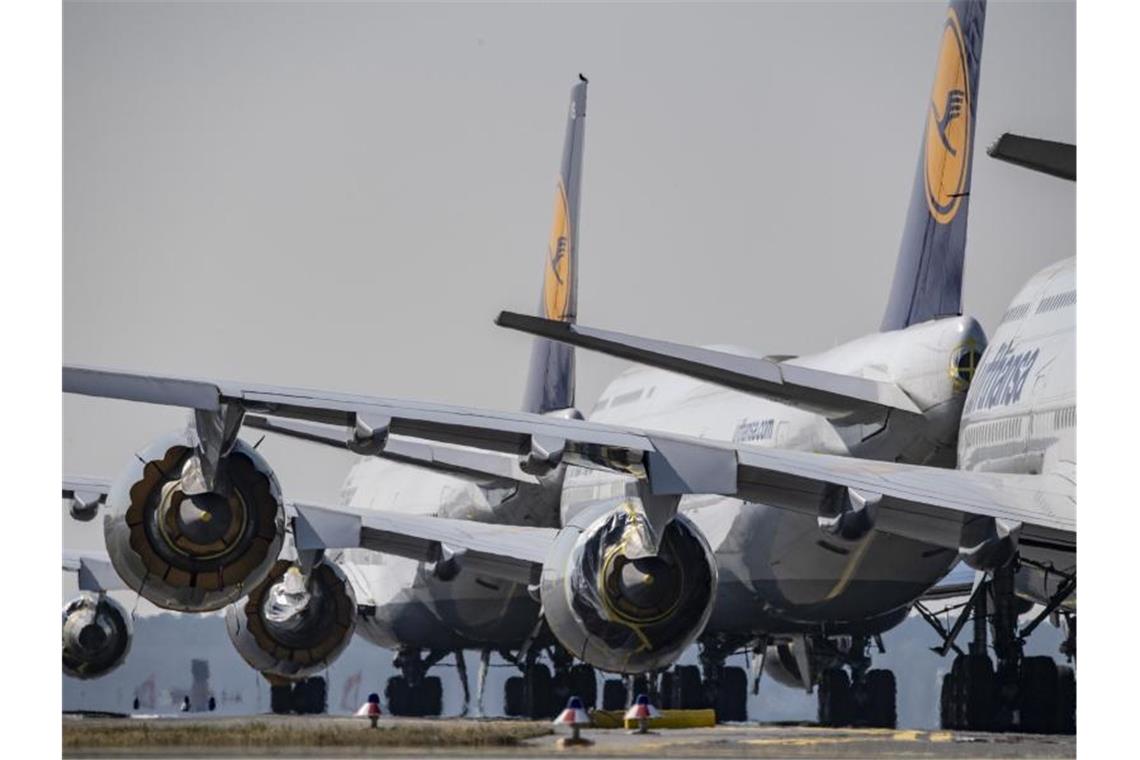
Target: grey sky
x=343 y=196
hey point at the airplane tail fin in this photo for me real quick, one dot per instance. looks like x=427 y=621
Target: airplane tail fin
x=550 y=384
x=928 y=275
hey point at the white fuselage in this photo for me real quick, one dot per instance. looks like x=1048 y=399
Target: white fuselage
x=1021 y=411
x=777 y=571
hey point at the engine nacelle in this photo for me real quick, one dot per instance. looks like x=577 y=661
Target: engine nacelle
x=190 y=551
x=617 y=609
x=293 y=627
x=96 y=635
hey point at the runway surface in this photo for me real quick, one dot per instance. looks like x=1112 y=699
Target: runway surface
x=286 y=736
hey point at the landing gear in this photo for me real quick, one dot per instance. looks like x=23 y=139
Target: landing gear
x=538 y=693
x=848 y=691
x=732 y=695
x=414 y=693
x=1029 y=694
x=613 y=694
x=305 y=697
x=833 y=697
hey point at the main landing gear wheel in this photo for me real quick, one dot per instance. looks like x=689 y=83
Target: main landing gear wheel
x=537 y=692
x=880 y=708
x=424 y=700
x=732 y=695
x=305 y=697
x=613 y=694
x=1039 y=687
x=971 y=695
x=513 y=697
x=833 y=697
x=1066 y=700
x=584 y=685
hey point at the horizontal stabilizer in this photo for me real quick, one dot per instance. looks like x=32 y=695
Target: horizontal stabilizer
x=514 y=553
x=438 y=457
x=833 y=395
x=1046 y=156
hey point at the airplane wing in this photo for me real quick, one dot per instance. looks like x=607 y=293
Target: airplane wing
x=94 y=570
x=833 y=395
x=454 y=460
x=514 y=553
x=924 y=503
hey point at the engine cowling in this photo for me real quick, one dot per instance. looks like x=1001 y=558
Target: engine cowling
x=189 y=551
x=96 y=635
x=291 y=626
x=617 y=609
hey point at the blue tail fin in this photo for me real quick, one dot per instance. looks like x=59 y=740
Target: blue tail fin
x=928 y=275
x=550 y=385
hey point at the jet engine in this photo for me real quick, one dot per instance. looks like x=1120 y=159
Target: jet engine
x=291 y=625
x=96 y=635
x=619 y=607
x=187 y=547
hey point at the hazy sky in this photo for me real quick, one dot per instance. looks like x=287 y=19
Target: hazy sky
x=343 y=196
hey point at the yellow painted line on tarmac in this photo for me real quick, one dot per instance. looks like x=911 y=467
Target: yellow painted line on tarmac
x=806 y=741
x=906 y=736
x=942 y=736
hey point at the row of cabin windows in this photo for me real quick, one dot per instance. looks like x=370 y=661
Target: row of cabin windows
x=1058 y=301
x=1052 y=303
x=993 y=432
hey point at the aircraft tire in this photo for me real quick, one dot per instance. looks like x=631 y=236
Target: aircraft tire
x=613 y=694
x=310 y=697
x=537 y=692
x=690 y=690
x=732 y=696
x=398 y=696
x=513 y=697
x=1038 y=687
x=833 y=697
x=668 y=690
x=882 y=708
x=1066 y=700
x=281 y=699
x=429 y=697
x=975 y=692
x=584 y=685
x=947 y=707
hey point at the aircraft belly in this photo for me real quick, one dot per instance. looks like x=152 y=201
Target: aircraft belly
x=413 y=608
x=778 y=571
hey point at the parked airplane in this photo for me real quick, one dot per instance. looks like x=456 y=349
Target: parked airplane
x=691 y=507
x=1020 y=417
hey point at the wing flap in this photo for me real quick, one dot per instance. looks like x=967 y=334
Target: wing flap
x=454 y=460
x=514 y=553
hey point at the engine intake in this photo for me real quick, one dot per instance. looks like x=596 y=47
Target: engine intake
x=187 y=550
x=293 y=627
x=618 y=609
x=96 y=635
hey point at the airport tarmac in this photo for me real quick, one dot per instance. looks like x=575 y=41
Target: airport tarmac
x=295 y=736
